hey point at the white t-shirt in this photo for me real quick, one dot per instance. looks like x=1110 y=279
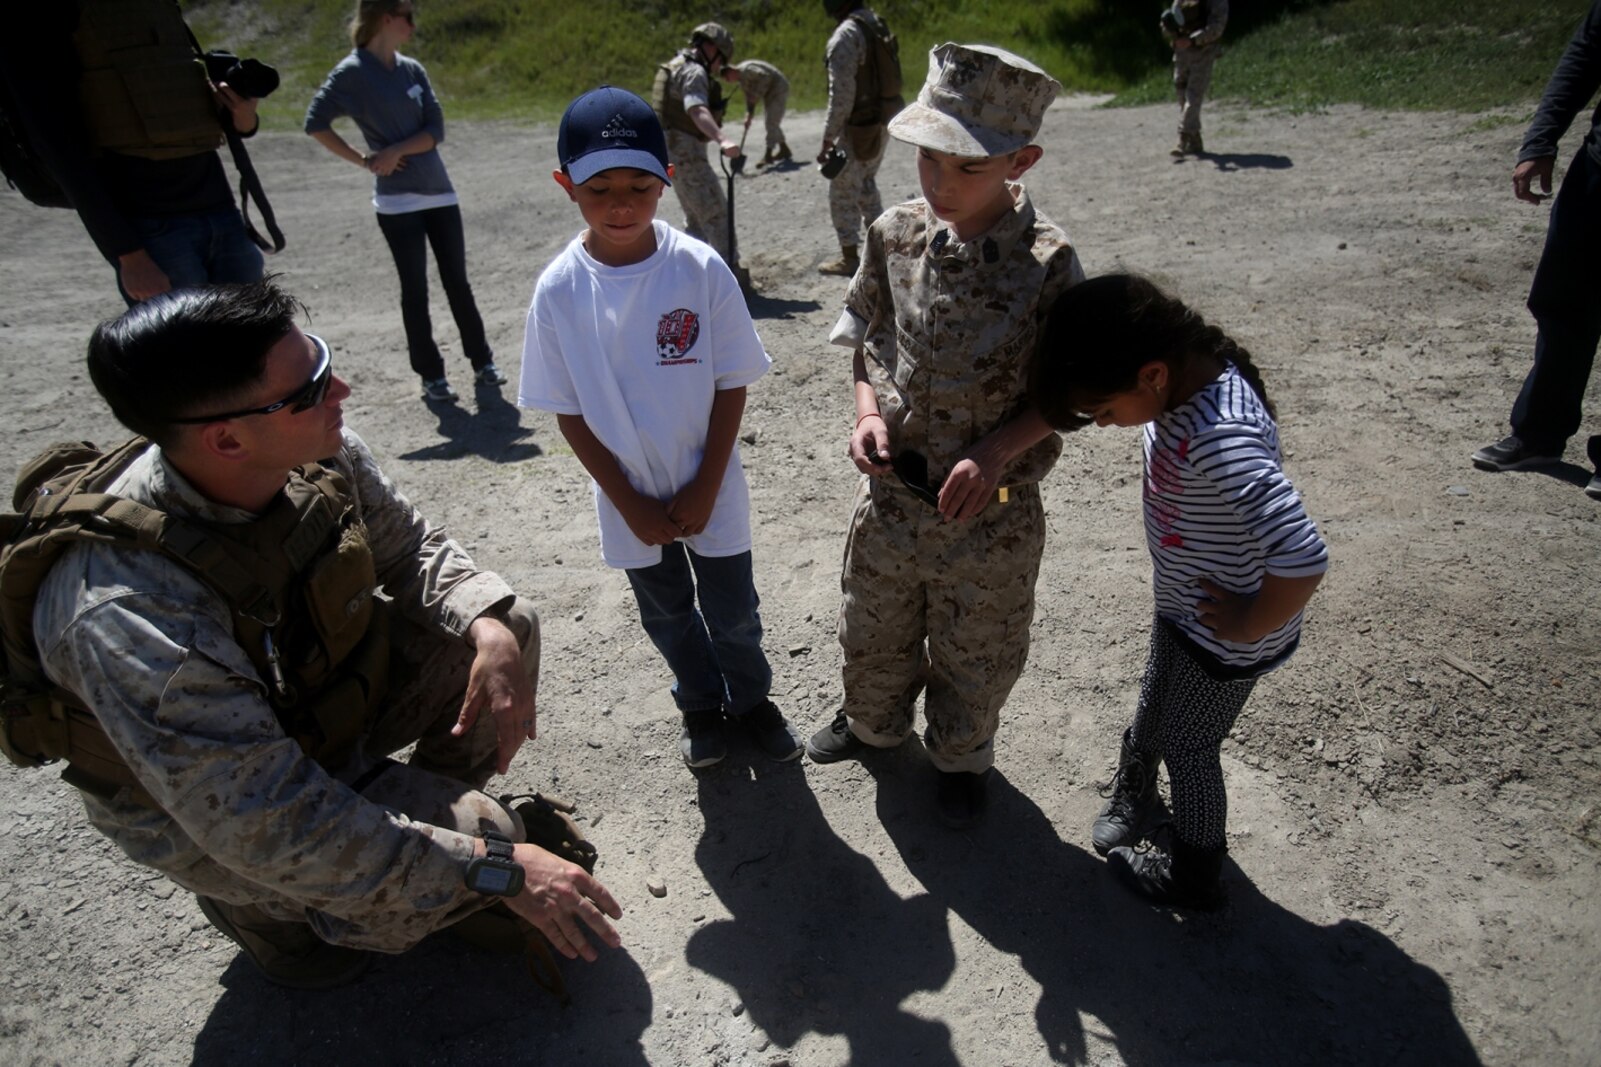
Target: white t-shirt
x=640 y=352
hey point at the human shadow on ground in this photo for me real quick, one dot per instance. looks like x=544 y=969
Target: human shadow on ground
x=1231 y=161
x=1563 y=471
x=494 y=431
x=771 y=307
x=442 y=1002
x=1253 y=983
x=818 y=942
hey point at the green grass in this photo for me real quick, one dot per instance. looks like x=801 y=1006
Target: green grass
x=524 y=59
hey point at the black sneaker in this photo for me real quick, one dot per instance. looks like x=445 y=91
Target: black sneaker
x=772 y=732
x=702 y=742
x=835 y=742
x=962 y=798
x=1511 y=454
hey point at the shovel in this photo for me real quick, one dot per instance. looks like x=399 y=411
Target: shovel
x=732 y=167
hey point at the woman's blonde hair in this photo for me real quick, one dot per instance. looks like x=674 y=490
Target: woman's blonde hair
x=364 y=24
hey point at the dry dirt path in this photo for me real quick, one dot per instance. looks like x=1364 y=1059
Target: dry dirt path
x=1415 y=844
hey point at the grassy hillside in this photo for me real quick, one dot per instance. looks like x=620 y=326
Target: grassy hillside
x=527 y=58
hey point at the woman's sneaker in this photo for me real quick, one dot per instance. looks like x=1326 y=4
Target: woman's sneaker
x=1511 y=454
x=437 y=389
x=489 y=374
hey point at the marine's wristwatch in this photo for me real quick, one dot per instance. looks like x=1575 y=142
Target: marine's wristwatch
x=496 y=873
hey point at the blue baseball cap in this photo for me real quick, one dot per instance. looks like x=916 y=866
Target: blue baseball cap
x=610 y=127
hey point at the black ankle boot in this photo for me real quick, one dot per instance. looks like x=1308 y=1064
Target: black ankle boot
x=1186 y=877
x=1122 y=821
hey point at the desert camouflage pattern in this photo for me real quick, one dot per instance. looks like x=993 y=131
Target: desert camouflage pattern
x=947 y=328
x=1192 y=78
x=700 y=191
x=977 y=101
x=1192 y=67
x=853 y=197
x=766 y=86
x=242 y=815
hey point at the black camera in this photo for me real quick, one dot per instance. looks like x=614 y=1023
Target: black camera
x=247 y=77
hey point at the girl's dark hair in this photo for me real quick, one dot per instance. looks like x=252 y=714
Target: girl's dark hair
x=1100 y=333
x=187 y=352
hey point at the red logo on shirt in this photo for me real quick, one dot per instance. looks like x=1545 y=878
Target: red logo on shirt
x=676 y=334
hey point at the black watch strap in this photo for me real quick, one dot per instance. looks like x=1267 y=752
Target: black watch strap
x=498 y=845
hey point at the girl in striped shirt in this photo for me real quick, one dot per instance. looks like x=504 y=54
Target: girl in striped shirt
x=1235 y=556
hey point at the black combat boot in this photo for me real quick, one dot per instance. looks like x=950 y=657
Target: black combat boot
x=1186 y=877
x=1122 y=821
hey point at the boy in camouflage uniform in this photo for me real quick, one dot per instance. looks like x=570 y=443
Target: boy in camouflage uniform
x=1193 y=27
x=766 y=85
x=940 y=563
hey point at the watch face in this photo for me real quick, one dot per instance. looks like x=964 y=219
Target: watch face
x=487 y=879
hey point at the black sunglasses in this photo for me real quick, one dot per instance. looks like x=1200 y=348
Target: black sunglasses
x=305 y=398
x=911 y=467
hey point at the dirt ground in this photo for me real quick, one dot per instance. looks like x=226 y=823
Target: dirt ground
x=1414 y=832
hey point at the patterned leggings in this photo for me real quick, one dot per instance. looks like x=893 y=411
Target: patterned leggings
x=1183 y=716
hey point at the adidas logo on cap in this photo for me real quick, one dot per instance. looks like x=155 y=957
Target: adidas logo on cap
x=618 y=127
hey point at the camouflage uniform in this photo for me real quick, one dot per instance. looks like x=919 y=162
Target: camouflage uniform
x=947 y=328
x=1192 y=67
x=765 y=83
x=372 y=854
x=853 y=199
x=699 y=187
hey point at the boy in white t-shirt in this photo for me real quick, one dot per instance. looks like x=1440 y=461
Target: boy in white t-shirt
x=638 y=339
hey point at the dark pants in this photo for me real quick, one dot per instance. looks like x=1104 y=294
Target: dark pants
x=714 y=650
x=1183 y=716
x=1564 y=303
x=409 y=236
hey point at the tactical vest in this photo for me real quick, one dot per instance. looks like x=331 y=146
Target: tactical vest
x=669 y=106
x=143 y=85
x=1191 y=15
x=299 y=582
x=878 y=82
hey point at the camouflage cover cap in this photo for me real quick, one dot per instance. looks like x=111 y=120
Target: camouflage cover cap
x=711 y=31
x=977 y=101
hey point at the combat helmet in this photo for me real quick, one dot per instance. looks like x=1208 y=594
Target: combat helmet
x=721 y=38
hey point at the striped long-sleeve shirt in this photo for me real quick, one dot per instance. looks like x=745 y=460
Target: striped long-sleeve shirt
x=1218 y=506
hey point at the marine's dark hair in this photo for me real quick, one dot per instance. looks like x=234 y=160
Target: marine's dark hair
x=1100 y=333
x=187 y=352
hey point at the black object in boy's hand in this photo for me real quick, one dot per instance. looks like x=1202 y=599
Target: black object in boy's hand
x=911 y=467
x=834 y=164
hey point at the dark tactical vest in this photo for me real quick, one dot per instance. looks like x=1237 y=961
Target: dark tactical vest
x=143 y=86
x=669 y=106
x=299 y=582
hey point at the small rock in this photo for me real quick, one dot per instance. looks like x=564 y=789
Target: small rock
x=738 y=1009
x=657 y=887
x=1457 y=490
x=1341 y=246
x=750 y=436
x=592 y=743
x=579 y=617
x=799 y=650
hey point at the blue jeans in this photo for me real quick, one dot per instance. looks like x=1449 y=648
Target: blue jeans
x=409 y=236
x=199 y=249
x=715 y=651
x=1563 y=300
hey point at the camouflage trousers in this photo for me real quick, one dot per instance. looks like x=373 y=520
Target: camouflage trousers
x=773 y=105
x=700 y=191
x=941 y=608
x=853 y=200
x=439 y=786
x=1192 y=77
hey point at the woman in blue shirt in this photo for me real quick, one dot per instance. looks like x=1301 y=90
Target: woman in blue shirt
x=388 y=97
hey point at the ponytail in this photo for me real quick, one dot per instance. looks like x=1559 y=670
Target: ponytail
x=1100 y=333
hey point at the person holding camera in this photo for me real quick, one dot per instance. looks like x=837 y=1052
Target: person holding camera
x=114 y=98
x=389 y=98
